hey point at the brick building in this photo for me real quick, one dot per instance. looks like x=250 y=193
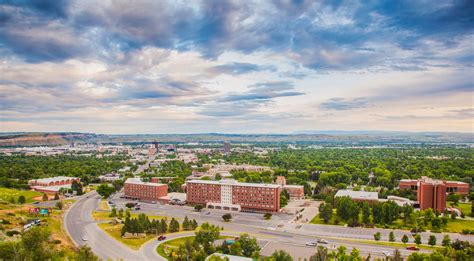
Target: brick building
x=233 y=195
x=295 y=191
x=52 y=185
x=431 y=193
x=147 y=191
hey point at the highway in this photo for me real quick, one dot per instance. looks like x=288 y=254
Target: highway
x=278 y=232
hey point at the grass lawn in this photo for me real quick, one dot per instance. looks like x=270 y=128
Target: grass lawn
x=6 y=194
x=104 y=215
x=458 y=225
x=115 y=232
x=394 y=244
x=465 y=208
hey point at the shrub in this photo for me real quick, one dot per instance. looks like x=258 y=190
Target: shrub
x=12 y=233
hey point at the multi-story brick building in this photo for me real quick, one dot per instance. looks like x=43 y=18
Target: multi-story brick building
x=233 y=195
x=295 y=191
x=431 y=193
x=52 y=185
x=148 y=191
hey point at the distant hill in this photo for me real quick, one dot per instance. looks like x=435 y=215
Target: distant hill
x=325 y=137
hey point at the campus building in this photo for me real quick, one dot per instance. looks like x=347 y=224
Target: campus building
x=135 y=188
x=359 y=196
x=431 y=193
x=52 y=185
x=233 y=195
x=295 y=191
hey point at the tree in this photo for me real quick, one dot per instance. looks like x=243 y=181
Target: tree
x=59 y=205
x=405 y=239
x=341 y=253
x=391 y=236
x=113 y=213
x=397 y=256
x=45 y=197
x=249 y=245
x=85 y=254
x=130 y=205
x=105 y=190
x=325 y=212
x=432 y=240
x=174 y=225
x=21 y=199
x=454 y=198
x=56 y=196
x=194 y=224
x=365 y=213
x=198 y=208
x=377 y=236
x=163 y=228
x=127 y=213
x=12 y=200
x=281 y=255
x=355 y=255
x=120 y=213
x=267 y=216
x=76 y=186
x=186 y=224
x=446 y=241
x=417 y=239
x=320 y=255
x=283 y=199
x=227 y=217
x=206 y=235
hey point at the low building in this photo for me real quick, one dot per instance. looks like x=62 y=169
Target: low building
x=295 y=191
x=147 y=191
x=360 y=196
x=110 y=177
x=52 y=185
x=226 y=257
x=233 y=195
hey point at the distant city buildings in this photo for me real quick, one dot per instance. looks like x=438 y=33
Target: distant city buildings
x=52 y=185
x=110 y=177
x=431 y=193
x=227 y=147
x=233 y=195
x=135 y=188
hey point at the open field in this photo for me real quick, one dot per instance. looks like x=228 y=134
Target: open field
x=115 y=232
x=103 y=205
x=6 y=194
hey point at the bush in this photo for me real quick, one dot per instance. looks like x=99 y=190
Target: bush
x=467 y=231
x=56 y=241
x=12 y=233
x=377 y=236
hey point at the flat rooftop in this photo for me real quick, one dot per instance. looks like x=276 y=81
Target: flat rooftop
x=363 y=195
x=53 y=179
x=233 y=182
x=138 y=181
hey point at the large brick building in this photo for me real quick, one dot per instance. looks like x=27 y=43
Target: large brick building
x=52 y=185
x=148 y=191
x=295 y=191
x=233 y=195
x=431 y=193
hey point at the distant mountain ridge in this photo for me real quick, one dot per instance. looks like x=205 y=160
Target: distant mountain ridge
x=325 y=137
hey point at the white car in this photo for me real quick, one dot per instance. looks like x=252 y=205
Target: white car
x=311 y=244
x=387 y=253
x=84 y=238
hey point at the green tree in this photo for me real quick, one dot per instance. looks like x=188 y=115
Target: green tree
x=432 y=240
x=235 y=249
x=283 y=199
x=405 y=239
x=391 y=236
x=397 y=256
x=325 y=212
x=250 y=247
x=129 y=205
x=227 y=217
x=113 y=213
x=417 y=239
x=281 y=255
x=320 y=255
x=105 y=190
x=377 y=236
x=267 y=216
x=85 y=254
x=45 y=197
x=120 y=213
x=446 y=241
x=174 y=225
x=206 y=235
x=355 y=255
x=186 y=224
x=365 y=213
x=21 y=199
x=56 y=196
x=59 y=205
x=163 y=226
x=198 y=208
x=127 y=213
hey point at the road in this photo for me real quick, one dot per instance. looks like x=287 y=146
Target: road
x=279 y=232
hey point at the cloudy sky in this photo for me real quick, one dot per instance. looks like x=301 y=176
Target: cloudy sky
x=236 y=66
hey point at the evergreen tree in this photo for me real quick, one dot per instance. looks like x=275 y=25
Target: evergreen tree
x=21 y=199
x=174 y=225
x=405 y=239
x=391 y=236
x=120 y=213
x=113 y=213
x=56 y=196
x=432 y=240
x=446 y=241
x=186 y=224
x=417 y=239
x=163 y=226
x=45 y=197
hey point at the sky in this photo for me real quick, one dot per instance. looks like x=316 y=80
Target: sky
x=131 y=66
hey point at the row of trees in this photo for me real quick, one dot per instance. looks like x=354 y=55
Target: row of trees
x=142 y=224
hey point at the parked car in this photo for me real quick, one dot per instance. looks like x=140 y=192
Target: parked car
x=414 y=248
x=322 y=241
x=84 y=238
x=137 y=208
x=387 y=253
x=161 y=238
x=311 y=244
x=36 y=203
